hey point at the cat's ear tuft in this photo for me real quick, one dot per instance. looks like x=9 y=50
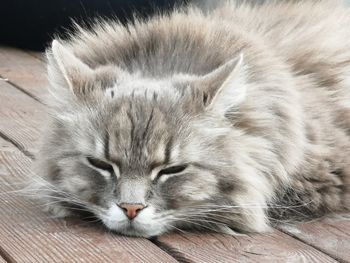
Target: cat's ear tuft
x=224 y=88
x=66 y=70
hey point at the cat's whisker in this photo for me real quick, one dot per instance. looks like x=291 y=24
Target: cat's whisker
x=60 y=200
x=176 y=228
x=201 y=223
x=219 y=217
x=192 y=218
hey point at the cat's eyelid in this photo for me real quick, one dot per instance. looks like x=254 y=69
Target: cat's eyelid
x=162 y=178
x=115 y=163
x=156 y=172
x=104 y=172
x=155 y=167
x=97 y=158
x=116 y=169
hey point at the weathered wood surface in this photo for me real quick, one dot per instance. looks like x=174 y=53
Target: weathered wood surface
x=29 y=235
x=23 y=70
x=6 y=146
x=55 y=240
x=38 y=55
x=330 y=235
x=271 y=247
x=20 y=117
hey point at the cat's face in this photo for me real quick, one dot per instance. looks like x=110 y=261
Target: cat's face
x=145 y=168
x=145 y=156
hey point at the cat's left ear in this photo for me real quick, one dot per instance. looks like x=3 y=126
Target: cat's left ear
x=225 y=87
x=66 y=70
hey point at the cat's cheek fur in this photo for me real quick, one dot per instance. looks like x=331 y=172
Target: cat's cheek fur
x=57 y=210
x=113 y=217
x=149 y=223
x=74 y=184
x=200 y=188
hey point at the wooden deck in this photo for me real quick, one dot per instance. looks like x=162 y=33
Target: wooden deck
x=29 y=235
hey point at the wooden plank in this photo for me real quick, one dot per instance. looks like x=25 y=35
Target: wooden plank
x=29 y=235
x=6 y=146
x=330 y=235
x=20 y=117
x=271 y=247
x=24 y=71
x=38 y=55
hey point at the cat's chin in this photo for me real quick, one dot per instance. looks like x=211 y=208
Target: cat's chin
x=134 y=231
x=144 y=225
x=137 y=230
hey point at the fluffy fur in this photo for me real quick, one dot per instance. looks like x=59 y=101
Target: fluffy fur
x=251 y=101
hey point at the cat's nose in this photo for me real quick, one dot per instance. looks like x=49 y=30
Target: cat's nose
x=131 y=210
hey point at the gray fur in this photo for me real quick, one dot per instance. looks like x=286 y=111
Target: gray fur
x=253 y=100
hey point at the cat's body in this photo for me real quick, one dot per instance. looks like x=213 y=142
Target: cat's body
x=235 y=118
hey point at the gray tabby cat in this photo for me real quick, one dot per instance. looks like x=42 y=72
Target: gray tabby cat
x=234 y=119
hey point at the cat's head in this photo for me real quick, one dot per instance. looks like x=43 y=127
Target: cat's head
x=144 y=155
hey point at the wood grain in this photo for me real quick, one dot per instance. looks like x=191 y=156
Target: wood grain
x=271 y=247
x=28 y=235
x=6 y=146
x=20 y=117
x=23 y=70
x=330 y=235
x=38 y=55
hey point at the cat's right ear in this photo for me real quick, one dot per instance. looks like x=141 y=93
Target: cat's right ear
x=67 y=71
x=225 y=87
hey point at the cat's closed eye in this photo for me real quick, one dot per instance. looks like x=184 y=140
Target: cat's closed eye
x=99 y=164
x=172 y=170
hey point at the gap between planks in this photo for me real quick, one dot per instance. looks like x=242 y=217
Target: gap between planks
x=20 y=119
x=25 y=72
x=331 y=235
x=5 y=257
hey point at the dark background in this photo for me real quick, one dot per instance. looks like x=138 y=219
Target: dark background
x=31 y=24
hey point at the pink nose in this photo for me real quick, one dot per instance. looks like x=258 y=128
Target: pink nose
x=131 y=210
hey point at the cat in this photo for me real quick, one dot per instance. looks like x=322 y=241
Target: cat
x=231 y=120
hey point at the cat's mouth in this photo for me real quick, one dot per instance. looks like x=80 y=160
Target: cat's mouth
x=143 y=225
x=134 y=230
